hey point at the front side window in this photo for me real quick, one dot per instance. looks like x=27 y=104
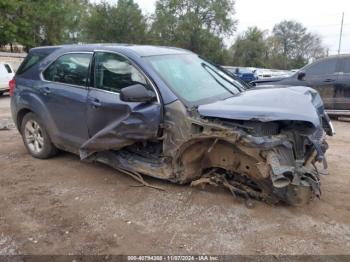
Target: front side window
x=194 y=80
x=70 y=69
x=324 y=67
x=114 y=72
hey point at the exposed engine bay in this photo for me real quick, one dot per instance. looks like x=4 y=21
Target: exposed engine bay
x=273 y=161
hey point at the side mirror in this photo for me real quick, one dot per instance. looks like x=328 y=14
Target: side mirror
x=301 y=75
x=137 y=93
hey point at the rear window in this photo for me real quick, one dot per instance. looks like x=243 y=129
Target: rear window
x=31 y=60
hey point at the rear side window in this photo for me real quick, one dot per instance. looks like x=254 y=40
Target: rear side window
x=8 y=68
x=31 y=60
x=70 y=69
x=325 y=67
x=345 y=65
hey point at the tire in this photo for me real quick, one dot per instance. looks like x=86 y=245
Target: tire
x=36 y=138
x=1 y=93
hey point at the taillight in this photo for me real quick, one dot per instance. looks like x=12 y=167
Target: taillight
x=12 y=85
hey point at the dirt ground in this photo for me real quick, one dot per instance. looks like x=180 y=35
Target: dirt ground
x=65 y=206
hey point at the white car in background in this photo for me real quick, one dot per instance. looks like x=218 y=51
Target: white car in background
x=6 y=74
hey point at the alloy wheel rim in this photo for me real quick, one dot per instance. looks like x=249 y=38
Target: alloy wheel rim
x=34 y=137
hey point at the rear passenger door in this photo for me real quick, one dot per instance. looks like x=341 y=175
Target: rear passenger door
x=64 y=93
x=323 y=77
x=342 y=92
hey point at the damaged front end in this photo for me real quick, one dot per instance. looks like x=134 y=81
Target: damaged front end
x=272 y=160
x=261 y=143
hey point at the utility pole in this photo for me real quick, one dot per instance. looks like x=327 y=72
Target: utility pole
x=341 y=33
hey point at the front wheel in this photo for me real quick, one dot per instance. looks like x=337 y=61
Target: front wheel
x=35 y=137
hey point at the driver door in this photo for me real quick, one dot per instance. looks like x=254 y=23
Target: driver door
x=113 y=123
x=342 y=92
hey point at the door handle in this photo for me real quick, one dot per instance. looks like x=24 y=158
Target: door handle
x=45 y=90
x=329 y=80
x=95 y=103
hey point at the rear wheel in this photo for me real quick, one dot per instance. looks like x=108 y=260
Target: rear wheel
x=1 y=93
x=35 y=137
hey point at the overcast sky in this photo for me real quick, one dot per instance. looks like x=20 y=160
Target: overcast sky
x=319 y=16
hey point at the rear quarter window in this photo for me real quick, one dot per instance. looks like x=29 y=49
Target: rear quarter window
x=31 y=60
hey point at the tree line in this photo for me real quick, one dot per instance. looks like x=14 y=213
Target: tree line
x=198 y=25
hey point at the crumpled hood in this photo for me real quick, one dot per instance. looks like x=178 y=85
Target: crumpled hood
x=296 y=103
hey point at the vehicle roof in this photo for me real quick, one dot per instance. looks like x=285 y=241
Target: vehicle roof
x=139 y=50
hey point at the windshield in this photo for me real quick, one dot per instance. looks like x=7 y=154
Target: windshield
x=194 y=80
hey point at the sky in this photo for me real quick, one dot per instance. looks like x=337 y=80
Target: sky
x=319 y=16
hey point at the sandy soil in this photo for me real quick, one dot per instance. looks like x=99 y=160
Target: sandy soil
x=65 y=206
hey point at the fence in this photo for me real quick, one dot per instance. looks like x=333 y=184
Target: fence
x=14 y=59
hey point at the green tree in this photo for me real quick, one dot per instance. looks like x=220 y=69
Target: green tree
x=55 y=22
x=123 y=23
x=250 y=49
x=40 y=22
x=294 y=45
x=12 y=25
x=7 y=27
x=197 y=25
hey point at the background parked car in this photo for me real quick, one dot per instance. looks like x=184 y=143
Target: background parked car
x=6 y=74
x=244 y=73
x=263 y=73
x=329 y=76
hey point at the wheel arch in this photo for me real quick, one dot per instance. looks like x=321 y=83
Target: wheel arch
x=29 y=102
x=20 y=116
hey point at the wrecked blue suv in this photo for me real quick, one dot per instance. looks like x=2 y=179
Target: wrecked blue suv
x=167 y=113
